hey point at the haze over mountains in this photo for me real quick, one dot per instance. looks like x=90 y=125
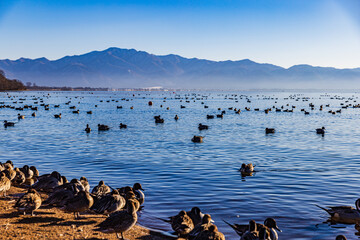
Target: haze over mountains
x=128 y=68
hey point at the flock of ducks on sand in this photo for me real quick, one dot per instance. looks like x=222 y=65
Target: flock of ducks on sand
x=120 y=205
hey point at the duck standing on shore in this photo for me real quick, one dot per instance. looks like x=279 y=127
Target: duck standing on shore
x=120 y=221
x=140 y=196
x=5 y=183
x=101 y=189
x=29 y=202
x=109 y=203
x=79 y=203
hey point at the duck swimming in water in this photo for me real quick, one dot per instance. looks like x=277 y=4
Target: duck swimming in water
x=344 y=214
x=197 y=139
x=320 y=130
x=247 y=169
x=8 y=124
x=87 y=129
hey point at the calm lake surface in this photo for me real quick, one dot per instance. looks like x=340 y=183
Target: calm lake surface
x=296 y=168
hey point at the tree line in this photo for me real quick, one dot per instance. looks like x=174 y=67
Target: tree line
x=10 y=85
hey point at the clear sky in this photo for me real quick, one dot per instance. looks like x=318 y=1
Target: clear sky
x=281 y=32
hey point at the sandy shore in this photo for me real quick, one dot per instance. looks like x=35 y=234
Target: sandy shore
x=51 y=223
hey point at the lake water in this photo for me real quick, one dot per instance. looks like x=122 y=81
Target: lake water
x=296 y=168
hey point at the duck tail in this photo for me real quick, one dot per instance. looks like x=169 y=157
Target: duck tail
x=162 y=219
x=322 y=208
x=233 y=227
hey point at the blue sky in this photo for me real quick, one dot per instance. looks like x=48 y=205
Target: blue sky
x=285 y=33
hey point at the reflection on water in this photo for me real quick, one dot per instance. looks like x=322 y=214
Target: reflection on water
x=296 y=168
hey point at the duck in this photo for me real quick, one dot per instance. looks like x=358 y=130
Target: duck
x=197 y=139
x=48 y=182
x=19 y=178
x=29 y=202
x=320 y=130
x=119 y=221
x=85 y=183
x=176 y=117
x=27 y=172
x=109 y=203
x=269 y=130
x=57 y=115
x=123 y=126
x=182 y=224
x=9 y=172
x=79 y=203
x=20 y=116
x=210 y=116
x=35 y=171
x=196 y=215
x=344 y=214
x=211 y=234
x=158 y=119
x=246 y=168
x=270 y=223
x=199 y=228
x=130 y=196
x=252 y=233
x=87 y=129
x=60 y=197
x=33 y=114
x=140 y=196
x=264 y=233
x=101 y=189
x=89 y=112
x=203 y=127
x=102 y=127
x=8 y=124
x=5 y=183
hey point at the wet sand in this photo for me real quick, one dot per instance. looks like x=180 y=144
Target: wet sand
x=52 y=223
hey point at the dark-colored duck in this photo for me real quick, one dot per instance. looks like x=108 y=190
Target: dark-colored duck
x=57 y=115
x=140 y=196
x=87 y=129
x=64 y=193
x=203 y=127
x=102 y=127
x=48 y=182
x=176 y=117
x=101 y=189
x=109 y=203
x=120 y=221
x=344 y=214
x=196 y=215
x=269 y=130
x=123 y=126
x=29 y=202
x=80 y=203
x=8 y=124
x=197 y=139
x=320 y=130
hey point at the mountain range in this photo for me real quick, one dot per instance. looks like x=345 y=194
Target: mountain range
x=129 y=68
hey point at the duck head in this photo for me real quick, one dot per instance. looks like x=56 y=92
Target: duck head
x=197 y=212
x=252 y=226
x=206 y=219
x=137 y=186
x=271 y=223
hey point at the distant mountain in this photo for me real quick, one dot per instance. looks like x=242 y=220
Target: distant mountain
x=7 y=84
x=128 y=68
